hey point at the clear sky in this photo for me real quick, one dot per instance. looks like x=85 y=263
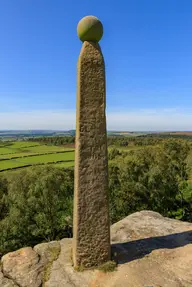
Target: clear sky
x=147 y=46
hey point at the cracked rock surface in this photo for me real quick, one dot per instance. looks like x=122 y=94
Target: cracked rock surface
x=151 y=250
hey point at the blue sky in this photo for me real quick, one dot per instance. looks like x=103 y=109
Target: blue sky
x=147 y=47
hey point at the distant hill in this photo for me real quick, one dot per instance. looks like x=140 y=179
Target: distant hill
x=16 y=134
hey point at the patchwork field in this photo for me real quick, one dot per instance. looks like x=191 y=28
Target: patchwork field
x=16 y=155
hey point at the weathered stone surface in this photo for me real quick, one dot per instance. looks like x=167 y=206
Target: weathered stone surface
x=146 y=224
x=47 y=251
x=27 y=266
x=5 y=282
x=91 y=245
x=23 y=267
x=63 y=273
x=151 y=250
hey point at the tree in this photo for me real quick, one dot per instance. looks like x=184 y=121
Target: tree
x=113 y=153
x=40 y=202
x=150 y=179
x=3 y=197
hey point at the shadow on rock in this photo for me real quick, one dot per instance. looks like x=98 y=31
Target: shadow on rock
x=129 y=251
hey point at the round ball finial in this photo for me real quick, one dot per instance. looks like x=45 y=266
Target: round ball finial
x=90 y=29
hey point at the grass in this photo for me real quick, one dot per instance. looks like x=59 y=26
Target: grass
x=53 y=255
x=45 y=148
x=23 y=144
x=65 y=164
x=12 y=155
x=28 y=146
x=7 y=164
x=80 y=268
x=48 y=158
x=20 y=154
x=6 y=150
x=108 y=266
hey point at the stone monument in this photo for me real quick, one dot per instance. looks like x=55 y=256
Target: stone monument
x=91 y=228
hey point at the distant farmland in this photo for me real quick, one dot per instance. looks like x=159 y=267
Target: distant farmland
x=17 y=155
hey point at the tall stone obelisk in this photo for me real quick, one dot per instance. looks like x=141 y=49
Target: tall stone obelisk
x=91 y=228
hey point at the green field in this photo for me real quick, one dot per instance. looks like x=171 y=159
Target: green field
x=64 y=164
x=16 y=145
x=22 y=154
x=43 y=148
x=15 y=155
x=6 y=150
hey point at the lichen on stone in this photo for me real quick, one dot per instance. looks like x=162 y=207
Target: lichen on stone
x=108 y=266
x=54 y=252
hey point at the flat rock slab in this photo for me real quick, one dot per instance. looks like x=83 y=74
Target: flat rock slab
x=151 y=250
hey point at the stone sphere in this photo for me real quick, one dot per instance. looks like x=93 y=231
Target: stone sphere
x=90 y=29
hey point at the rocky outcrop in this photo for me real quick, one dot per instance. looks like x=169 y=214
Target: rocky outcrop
x=28 y=267
x=151 y=251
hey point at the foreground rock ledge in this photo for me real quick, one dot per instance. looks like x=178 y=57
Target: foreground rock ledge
x=151 y=250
